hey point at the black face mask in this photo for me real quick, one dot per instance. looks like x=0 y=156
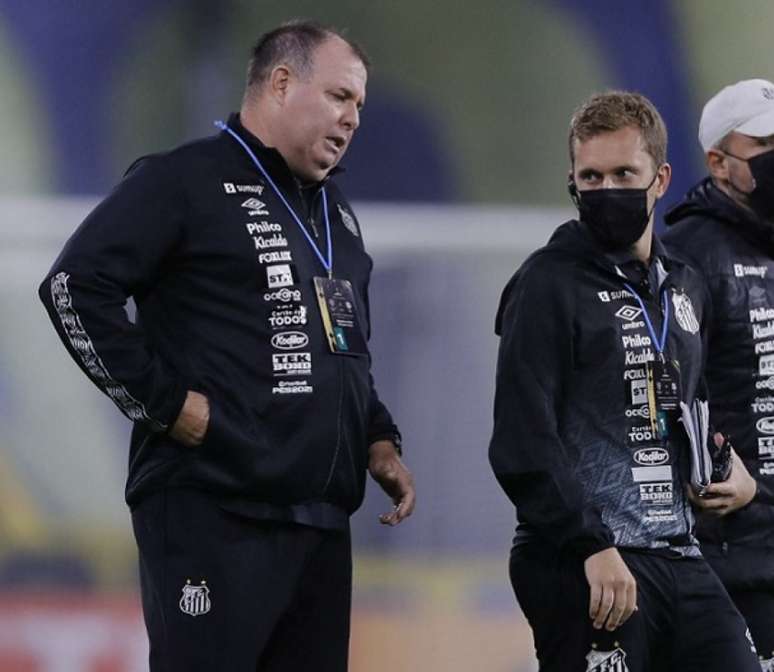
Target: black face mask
x=761 y=198
x=616 y=217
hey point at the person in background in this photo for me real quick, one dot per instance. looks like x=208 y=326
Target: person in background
x=724 y=227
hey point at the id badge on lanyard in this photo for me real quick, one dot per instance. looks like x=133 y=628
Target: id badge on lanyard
x=338 y=308
x=662 y=375
x=341 y=322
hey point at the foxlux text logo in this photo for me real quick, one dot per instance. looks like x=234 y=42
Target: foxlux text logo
x=290 y=340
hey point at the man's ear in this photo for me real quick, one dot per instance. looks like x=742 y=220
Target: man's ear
x=279 y=80
x=717 y=164
x=664 y=178
x=572 y=188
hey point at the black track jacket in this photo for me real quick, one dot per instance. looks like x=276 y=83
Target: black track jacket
x=572 y=445
x=222 y=280
x=734 y=251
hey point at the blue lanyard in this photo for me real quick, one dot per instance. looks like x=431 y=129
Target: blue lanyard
x=327 y=263
x=665 y=307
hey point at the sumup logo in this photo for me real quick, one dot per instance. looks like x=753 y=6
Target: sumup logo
x=196 y=599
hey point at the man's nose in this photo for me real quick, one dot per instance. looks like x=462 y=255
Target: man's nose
x=351 y=118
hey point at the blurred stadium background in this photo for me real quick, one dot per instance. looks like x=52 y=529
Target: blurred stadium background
x=459 y=169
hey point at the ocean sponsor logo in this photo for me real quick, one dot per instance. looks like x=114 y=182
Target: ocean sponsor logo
x=763 y=330
x=279 y=276
x=292 y=364
x=657 y=493
x=641 y=412
x=652 y=474
x=257 y=228
x=761 y=314
x=290 y=340
x=292 y=387
x=632 y=358
x=741 y=271
x=651 y=457
x=639 y=389
x=269 y=242
x=684 y=313
x=255 y=207
x=636 y=341
x=638 y=324
x=231 y=188
x=641 y=434
x=765 y=425
x=765 y=447
x=764 y=347
x=273 y=257
x=628 y=313
x=284 y=295
x=763 y=405
x=288 y=317
x=767 y=384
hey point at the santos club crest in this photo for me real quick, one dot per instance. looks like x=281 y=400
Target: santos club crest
x=348 y=220
x=606 y=661
x=684 y=313
x=196 y=599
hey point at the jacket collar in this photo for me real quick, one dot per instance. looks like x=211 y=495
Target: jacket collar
x=272 y=160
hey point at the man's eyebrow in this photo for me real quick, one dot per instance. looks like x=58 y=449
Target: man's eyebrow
x=616 y=169
x=350 y=95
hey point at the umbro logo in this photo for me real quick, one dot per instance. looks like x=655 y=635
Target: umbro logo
x=628 y=313
x=255 y=207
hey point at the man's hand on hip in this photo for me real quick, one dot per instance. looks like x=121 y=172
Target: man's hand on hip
x=613 y=596
x=191 y=425
x=395 y=479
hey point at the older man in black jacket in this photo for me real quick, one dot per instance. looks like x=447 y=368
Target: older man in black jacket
x=725 y=228
x=246 y=372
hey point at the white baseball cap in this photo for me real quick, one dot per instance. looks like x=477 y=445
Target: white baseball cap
x=746 y=107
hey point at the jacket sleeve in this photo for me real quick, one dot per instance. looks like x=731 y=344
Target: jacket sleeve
x=529 y=459
x=118 y=252
x=380 y=423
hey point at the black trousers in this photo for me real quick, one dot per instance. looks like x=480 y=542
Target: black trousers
x=686 y=621
x=748 y=576
x=225 y=593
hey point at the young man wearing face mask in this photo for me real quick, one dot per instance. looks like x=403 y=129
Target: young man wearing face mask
x=725 y=228
x=600 y=342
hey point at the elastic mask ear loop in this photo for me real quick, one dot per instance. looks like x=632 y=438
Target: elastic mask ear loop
x=737 y=189
x=647 y=189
